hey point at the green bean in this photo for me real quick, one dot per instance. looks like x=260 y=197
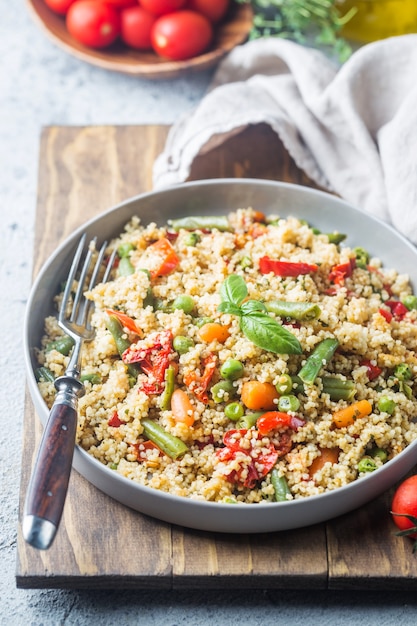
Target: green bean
x=182 y=344
x=320 y=356
x=125 y=268
x=386 y=405
x=200 y=321
x=297 y=384
x=149 y=299
x=94 y=378
x=234 y=411
x=62 y=344
x=203 y=222
x=295 y=310
x=223 y=391
x=183 y=303
x=121 y=341
x=336 y=238
x=280 y=485
x=165 y=398
x=410 y=302
x=288 y=403
x=362 y=257
x=173 y=446
x=249 y=420
x=338 y=389
x=366 y=464
x=125 y=249
x=44 y=374
x=232 y=369
x=284 y=384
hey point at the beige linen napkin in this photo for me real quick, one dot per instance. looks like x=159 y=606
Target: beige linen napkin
x=352 y=129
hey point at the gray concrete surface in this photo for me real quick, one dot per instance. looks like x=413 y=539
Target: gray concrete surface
x=42 y=85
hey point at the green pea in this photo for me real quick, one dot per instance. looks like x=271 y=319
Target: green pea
x=232 y=369
x=366 y=464
x=125 y=268
x=182 y=344
x=386 y=405
x=284 y=384
x=184 y=303
x=234 y=411
x=410 y=302
x=288 y=403
x=125 y=249
x=379 y=453
x=192 y=239
x=223 y=391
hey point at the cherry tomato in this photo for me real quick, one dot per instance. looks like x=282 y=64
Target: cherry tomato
x=94 y=24
x=214 y=10
x=405 y=503
x=181 y=35
x=136 y=26
x=59 y=6
x=161 y=7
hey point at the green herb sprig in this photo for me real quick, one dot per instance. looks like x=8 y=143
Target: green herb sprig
x=302 y=20
x=255 y=323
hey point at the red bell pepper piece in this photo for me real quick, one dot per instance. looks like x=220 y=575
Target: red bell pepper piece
x=153 y=356
x=115 y=420
x=285 y=268
x=338 y=273
x=386 y=314
x=125 y=320
x=398 y=309
x=273 y=420
x=373 y=371
x=198 y=384
x=260 y=461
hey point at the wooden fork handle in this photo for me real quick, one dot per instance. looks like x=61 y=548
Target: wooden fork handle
x=50 y=476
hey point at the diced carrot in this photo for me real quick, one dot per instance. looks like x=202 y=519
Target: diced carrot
x=213 y=331
x=259 y=396
x=160 y=258
x=327 y=455
x=348 y=415
x=181 y=407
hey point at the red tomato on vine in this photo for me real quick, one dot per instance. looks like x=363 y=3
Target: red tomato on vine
x=59 y=6
x=214 y=10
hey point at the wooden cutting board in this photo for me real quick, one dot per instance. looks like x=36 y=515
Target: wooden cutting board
x=102 y=544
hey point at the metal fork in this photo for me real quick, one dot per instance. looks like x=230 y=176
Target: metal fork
x=50 y=476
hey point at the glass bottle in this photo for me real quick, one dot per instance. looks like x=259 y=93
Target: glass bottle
x=378 y=19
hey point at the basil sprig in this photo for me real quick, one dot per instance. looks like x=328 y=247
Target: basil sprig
x=255 y=323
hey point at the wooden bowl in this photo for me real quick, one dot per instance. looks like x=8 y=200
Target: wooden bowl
x=118 y=57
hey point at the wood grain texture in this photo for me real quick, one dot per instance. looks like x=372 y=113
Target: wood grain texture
x=102 y=544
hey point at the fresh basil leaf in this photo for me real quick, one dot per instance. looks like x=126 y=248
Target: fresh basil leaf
x=267 y=334
x=228 y=307
x=233 y=289
x=251 y=306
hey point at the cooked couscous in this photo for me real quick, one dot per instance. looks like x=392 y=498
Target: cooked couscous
x=243 y=359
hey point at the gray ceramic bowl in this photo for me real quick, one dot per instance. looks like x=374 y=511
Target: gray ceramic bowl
x=219 y=197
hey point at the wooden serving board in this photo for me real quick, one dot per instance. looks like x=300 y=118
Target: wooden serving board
x=102 y=544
